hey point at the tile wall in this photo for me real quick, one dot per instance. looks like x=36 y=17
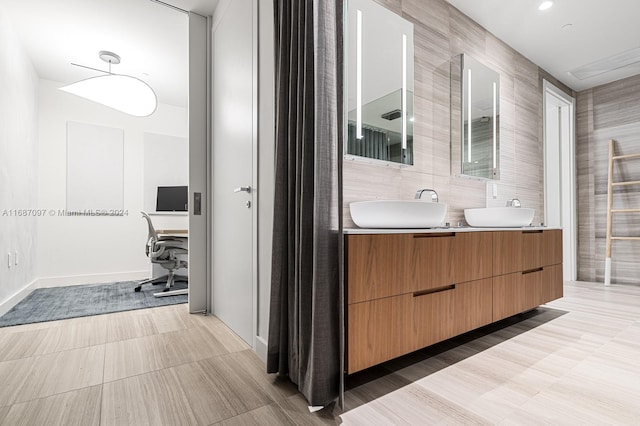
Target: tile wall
x=606 y=112
x=440 y=33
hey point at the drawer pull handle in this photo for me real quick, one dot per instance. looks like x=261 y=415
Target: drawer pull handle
x=534 y=231
x=531 y=271
x=434 y=290
x=435 y=235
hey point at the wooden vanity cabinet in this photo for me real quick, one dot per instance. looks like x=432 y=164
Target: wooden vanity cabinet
x=408 y=291
x=527 y=270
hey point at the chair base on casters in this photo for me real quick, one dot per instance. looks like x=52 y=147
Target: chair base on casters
x=172 y=293
x=169 y=279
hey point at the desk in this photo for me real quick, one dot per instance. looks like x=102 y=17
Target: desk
x=176 y=232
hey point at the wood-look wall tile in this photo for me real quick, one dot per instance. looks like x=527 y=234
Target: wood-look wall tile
x=393 y=5
x=442 y=32
x=616 y=104
x=433 y=14
x=466 y=35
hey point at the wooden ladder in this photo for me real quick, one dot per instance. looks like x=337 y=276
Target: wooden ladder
x=611 y=210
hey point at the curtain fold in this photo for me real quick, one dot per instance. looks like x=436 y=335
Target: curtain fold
x=304 y=319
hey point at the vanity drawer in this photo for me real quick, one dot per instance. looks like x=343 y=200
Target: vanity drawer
x=377 y=266
x=521 y=291
x=515 y=251
x=383 y=329
x=383 y=265
x=379 y=330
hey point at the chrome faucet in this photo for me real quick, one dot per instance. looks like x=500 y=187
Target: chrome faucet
x=514 y=202
x=434 y=194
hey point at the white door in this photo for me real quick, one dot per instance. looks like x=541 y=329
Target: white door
x=559 y=171
x=234 y=122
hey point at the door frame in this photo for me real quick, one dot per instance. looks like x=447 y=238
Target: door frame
x=199 y=167
x=566 y=161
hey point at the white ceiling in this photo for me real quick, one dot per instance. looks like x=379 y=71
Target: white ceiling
x=599 y=30
x=151 y=39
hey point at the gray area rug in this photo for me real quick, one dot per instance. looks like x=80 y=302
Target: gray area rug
x=55 y=303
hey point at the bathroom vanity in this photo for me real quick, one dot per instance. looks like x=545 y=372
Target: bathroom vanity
x=408 y=289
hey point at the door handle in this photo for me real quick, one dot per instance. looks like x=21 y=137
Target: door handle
x=246 y=189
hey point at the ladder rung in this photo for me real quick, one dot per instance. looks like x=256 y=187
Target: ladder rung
x=625 y=211
x=631 y=182
x=625 y=238
x=626 y=157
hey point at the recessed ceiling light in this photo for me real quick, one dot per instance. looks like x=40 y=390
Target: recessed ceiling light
x=545 y=5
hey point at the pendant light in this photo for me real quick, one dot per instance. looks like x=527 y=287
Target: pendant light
x=118 y=91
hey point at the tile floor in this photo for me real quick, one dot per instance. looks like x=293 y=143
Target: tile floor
x=574 y=361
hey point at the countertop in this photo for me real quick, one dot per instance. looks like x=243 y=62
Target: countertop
x=355 y=231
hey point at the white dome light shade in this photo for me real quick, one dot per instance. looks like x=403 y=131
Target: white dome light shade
x=121 y=92
x=545 y=5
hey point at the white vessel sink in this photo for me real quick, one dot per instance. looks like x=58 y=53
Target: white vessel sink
x=499 y=217
x=398 y=214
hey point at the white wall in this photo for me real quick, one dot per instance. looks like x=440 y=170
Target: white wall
x=74 y=250
x=18 y=165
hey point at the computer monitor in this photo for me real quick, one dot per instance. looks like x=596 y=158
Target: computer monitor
x=172 y=199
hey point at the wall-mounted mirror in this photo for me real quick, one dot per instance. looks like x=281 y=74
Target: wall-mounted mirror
x=379 y=46
x=476 y=88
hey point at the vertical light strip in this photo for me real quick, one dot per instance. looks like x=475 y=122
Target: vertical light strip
x=494 y=126
x=359 y=75
x=404 y=91
x=469 y=116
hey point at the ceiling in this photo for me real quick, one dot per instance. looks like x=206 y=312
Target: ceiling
x=598 y=30
x=151 y=39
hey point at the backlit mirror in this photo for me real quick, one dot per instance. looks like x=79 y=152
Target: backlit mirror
x=479 y=124
x=379 y=63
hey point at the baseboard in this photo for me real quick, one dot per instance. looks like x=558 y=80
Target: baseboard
x=17 y=297
x=91 y=278
x=261 y=349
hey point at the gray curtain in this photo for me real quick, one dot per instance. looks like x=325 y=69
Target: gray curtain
x=305 y=315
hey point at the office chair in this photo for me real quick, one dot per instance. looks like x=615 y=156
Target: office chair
x=164 y=251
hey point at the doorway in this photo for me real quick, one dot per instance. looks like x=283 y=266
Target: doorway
x=559 y=171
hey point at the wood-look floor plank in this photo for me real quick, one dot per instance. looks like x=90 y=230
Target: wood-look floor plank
x=130 y=326
x=79 y=408
x=218 y=390
x=275 y=386
x=13 y=376
x=575 y=361
x=62 y=372
x=268 y=415
x=173 y=318
x=141 y=355
x=152 y=399
x=297 y=409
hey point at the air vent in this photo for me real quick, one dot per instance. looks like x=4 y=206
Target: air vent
x=620 y=60
x=392 y=115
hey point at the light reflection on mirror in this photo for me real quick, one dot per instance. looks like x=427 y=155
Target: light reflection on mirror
x=379 y=46
x=480 y=119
